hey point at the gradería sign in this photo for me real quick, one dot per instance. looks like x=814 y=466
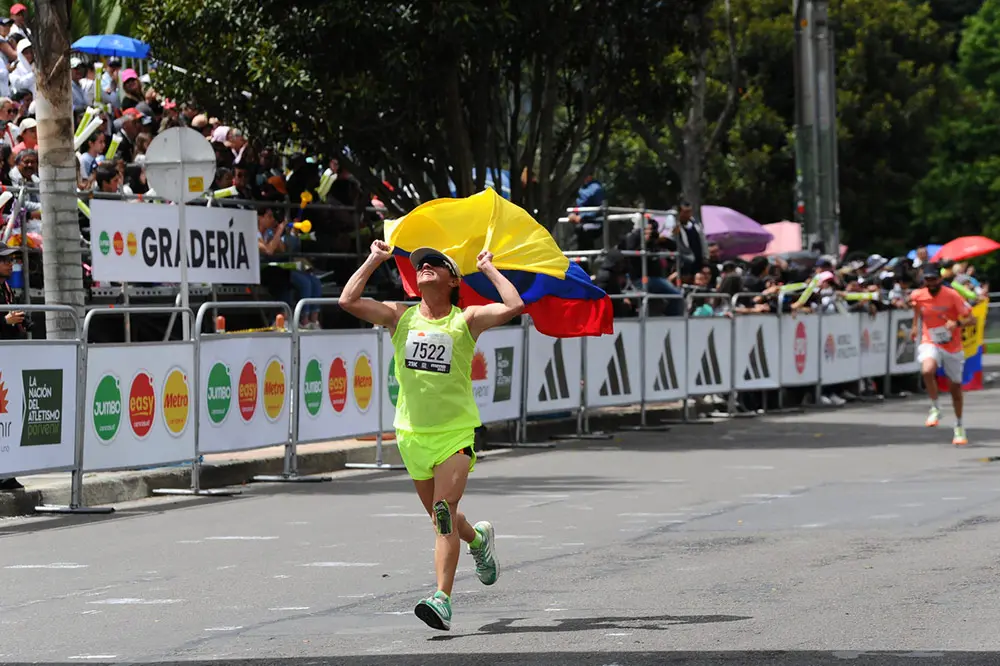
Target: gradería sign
x=141 y=242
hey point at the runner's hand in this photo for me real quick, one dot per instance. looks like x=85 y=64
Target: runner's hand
x=951 y=325
x=484 y=259
x=380 y=251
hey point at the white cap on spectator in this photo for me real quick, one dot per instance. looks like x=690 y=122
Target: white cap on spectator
x=825 y=276
x=75 y=62
x=27 y=124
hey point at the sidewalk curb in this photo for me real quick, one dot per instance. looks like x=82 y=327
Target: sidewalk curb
x=115 y=487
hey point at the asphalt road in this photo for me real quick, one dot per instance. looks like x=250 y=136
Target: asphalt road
x=845 y=536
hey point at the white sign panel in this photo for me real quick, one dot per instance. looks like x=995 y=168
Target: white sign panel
x=800 y=353
x=496 y=375
x=666 y=359
x=841 y=361
x=554 y=373
x=243 y=392
x=335 y=389
x=903 y=356
x=613 y=367
x=37 y=407
x=140 y=405
x=757 y=352
x=141 y=243
x=874 y=345
x=709 y=354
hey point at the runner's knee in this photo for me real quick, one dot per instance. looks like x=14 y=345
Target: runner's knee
x=444 y=517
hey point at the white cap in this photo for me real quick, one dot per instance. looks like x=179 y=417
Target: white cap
x=27 y=124
x=417 y=258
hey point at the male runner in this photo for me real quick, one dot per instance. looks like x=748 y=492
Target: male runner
x=436 y=413
x=943 y=312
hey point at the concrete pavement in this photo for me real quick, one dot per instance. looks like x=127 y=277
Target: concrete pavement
x=836 y=536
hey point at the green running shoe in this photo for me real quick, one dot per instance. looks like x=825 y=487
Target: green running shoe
x=435 y=611
x=487 y=566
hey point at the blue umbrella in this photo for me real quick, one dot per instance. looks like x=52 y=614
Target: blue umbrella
x=931 y=251
x=112 y=45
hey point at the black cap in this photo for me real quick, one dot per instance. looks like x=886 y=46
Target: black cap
x=930 y=270
x=8 y=251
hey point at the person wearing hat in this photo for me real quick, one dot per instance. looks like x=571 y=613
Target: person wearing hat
x=28 y=135
x=22 y=78
x=19 y=15
x=942 y=313
x=81 y=86
x=436 y=412
x=14 y=325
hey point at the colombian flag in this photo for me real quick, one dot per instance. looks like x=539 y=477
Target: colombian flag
x=974 y=347
x=560 y=297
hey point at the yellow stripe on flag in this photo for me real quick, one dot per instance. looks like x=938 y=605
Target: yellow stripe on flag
x=973 y=336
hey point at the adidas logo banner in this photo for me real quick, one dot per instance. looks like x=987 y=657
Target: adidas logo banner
x=613 y=367
x=799 y=350
x=840 y=360
x=757 y=349
x=666 y=364
x=904 y=350
x=875 y=345
x=554 y=373
x=709 y=354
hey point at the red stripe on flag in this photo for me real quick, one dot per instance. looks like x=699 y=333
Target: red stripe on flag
x=559 y=317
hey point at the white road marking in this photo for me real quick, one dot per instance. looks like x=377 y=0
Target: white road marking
x=517 y=536
x=756 y=467
x=400 y=515
x=576 y=543
x=290 y=608
x=356 y=596
x=299 y=522
x=281 y=576
x=91 y=612
x=54 y=565
x=884 y=516
x=94 y=656
x=629 y=633
x=241 y=538
x=554 y=610
x=393 y=612
x=190 y=541
x=135 y=602
x=223 y=628
x=651 y=515
x=953 y=499
x=225 y=566
x=911 y=505
x=812 y=525
x=340 y=564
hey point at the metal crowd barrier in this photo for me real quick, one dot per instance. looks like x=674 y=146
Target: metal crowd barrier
x=162 y=403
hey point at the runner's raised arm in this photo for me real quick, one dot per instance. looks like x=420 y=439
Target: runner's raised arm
x=374 y=312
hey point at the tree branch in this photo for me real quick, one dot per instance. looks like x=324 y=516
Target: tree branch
x=732 y=96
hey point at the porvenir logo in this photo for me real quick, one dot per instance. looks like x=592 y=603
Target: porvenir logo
x=312 y=387
x=141 y=404
x=480 y=373
x=363 y=382
x=800 y=348
x=246 y=391
x=176 y=402
x=4 y=402
x=219 y=393
x=336 y=384
x=274 y=389
x=107 y=408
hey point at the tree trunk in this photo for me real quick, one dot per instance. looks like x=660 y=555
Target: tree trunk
x=62 y=257
x=694 y=134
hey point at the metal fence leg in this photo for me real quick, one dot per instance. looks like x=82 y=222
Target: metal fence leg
x=522 y=439
x=643 y=320
x=380 y=405
x=582 y=417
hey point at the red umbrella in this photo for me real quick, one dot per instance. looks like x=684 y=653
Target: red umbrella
x=966 y=247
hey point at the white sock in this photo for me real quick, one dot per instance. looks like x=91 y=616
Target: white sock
x=934 y=404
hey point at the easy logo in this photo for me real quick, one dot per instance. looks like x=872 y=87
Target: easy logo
x=336 y=384
x=107 y=408
x=246 y=392
x=119 y=243
x=312 y=387
x=176 y=402
x=141 y=404
x=219 y=393
x=363 y=382
x=274 y=389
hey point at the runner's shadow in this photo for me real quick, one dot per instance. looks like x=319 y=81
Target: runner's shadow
x=650 y=623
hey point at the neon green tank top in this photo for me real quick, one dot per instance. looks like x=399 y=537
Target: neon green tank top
x=434 y=369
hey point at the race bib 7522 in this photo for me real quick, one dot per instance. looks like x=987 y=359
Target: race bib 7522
x=430 y=352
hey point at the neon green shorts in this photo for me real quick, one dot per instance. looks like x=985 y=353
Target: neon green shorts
x=422 y=452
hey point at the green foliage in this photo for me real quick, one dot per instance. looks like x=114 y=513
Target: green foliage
x=418 y=93
x=960 y=194
x=88 y=17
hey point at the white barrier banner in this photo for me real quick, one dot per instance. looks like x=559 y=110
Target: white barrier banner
x=666 y=342
x=37 y=407
x=757 y=352
x=554 y=373
x=874 y=345
x=140 y=405
x=841 y=361
x=709 y=355
x=800 y=350
x=613 y=367
x=244 y=392
x=903 y=359
x=336 y=388
x=496 y=376
x=141 y=242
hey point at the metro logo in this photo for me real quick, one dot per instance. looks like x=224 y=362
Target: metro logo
x=274 y=389
x=363 y=382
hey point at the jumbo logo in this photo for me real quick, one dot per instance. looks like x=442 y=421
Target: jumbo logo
x=246 y=391
x=274 y=389
x=119 y=243
x=830 y=347
x=336 y=384
x=141 y=404
x=363 y=382
x=801 y=348
x=176 y=402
